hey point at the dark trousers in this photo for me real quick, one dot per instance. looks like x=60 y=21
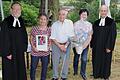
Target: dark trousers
x=83 y=61
x=34 y=63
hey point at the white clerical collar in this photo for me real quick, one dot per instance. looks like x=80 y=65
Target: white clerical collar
x=14 y=22
x=102 y=22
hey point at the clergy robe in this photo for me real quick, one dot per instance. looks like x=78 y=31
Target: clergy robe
x=13 y=41
x=103 y=38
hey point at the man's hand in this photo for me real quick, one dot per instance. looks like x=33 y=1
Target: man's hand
x=108 y=50
x=62 y=47
x=9 y=57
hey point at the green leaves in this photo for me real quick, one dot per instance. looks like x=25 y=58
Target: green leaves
x=92 y=7
x=29 y=12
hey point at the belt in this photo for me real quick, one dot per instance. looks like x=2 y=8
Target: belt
x=62 y=43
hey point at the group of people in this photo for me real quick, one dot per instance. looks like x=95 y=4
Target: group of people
x=101 y=37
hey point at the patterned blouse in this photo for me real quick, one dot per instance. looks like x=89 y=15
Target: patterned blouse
x=36 y=31
x=84 y=27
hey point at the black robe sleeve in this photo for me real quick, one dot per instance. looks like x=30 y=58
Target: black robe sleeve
x=112 y=37
x=4 y=39
x=25 y=37
x=92 y=40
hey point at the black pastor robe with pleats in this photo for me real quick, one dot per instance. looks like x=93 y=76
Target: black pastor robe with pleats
x=13 y=40
x=103 y=38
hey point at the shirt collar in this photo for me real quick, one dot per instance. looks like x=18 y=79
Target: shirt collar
x=62 y=22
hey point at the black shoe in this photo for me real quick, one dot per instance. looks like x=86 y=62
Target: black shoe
x=84 y=77
x=63 y=78
x=54 y=79
x=91 y=74
x=75 y=74
x=106 y=78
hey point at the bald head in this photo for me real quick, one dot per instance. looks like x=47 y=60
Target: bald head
x=63 y=11
x=62 y=15
x=103 y=11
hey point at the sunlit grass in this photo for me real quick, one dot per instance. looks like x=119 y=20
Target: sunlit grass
x=118 y=35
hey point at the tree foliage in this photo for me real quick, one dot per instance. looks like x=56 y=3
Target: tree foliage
x=29 y=12
x=31 y=9
x=35 y=3
x=115 y=12
x=92 y=7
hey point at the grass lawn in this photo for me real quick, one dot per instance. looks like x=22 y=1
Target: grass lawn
x=118 y=35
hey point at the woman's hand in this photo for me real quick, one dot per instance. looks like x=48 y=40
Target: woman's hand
x=35 y=49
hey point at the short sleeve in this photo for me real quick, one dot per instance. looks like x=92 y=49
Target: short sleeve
x=71 y=29
x=53 y=32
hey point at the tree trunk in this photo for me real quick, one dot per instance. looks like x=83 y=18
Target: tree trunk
x=102 y=2
x=53 y=5
x=1 y=7
x=42 y=6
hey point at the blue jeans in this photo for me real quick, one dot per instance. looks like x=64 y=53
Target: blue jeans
x=83 y=61
x=34 y=63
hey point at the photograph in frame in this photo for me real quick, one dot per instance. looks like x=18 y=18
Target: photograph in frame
x=42 y=42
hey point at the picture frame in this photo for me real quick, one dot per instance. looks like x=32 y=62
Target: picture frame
x=42 y=42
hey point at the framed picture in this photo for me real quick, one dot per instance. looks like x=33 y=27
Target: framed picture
x=42 y=42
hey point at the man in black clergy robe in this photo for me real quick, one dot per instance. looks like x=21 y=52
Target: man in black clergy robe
x=13 y=45
x=102 y=44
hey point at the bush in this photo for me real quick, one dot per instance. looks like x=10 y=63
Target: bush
x=93 y=8
x=74 y=16
x=6 y=8
x=118 y=26
x=29 y=12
